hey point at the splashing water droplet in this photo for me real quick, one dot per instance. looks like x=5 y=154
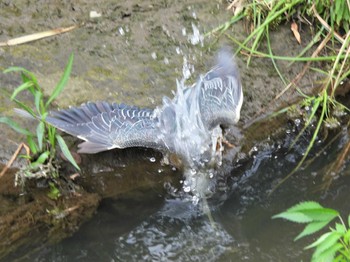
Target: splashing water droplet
x=121 y=31
x=297 y=122
x=187 y=189
x=154 y=55
x=152 y=159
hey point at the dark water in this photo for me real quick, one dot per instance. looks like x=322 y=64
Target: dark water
x=148 y=226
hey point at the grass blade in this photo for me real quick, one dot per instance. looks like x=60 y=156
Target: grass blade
x=66 y=151
x=21 y=88
x=40 y=131
x=15 y=126
x=58 y=89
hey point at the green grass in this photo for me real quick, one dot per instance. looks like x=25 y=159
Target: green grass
x=329 y=20
x=42 y=144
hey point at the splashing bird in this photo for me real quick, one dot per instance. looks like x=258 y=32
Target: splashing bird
x=189 y=125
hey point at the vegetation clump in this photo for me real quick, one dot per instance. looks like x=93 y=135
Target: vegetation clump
x=40 y=146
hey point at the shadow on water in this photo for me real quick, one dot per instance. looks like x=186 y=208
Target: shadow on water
x=152 y=226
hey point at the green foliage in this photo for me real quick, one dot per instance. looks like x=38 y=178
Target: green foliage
x=331 y=246
x=42 y=143
x=332 y=16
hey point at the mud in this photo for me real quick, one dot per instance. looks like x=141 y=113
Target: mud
x=132 y=54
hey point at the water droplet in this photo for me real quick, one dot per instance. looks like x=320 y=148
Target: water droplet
x=121 y=31
x=184 y=31
x=287 y=131
x=160 y=171
x=211 y=175
x=166 y=61
x=297 y=122
x=154 y=55
x=187 y=189
x=152 y=159
x=194 y=15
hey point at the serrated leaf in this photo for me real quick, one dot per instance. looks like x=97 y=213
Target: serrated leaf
x=328 y=254
x=340 y=228
x=307 y=205
x=322 y=214
x=40 y=132
x=297 y=217
x=15 y=126
x=330 y=241
x=318 y=241
x=61 y=84
x=312 y=228
x=22 y=87
x=66 y=151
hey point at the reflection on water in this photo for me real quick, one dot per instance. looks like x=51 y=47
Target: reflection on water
x=168 y=228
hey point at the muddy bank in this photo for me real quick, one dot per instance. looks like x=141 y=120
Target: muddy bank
x=132 y=53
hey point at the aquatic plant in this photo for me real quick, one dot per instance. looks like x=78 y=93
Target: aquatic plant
x=333 y=245
x=41 y=145
x=330 y=19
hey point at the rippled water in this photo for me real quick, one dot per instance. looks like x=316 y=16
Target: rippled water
x=238 y=226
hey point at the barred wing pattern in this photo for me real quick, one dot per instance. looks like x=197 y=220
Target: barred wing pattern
x=105 y=126
x=221 y=96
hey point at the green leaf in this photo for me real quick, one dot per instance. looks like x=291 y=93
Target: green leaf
x=319 y=240
x=307 y=205
x=15 y=126
x=54 y=191
x=25 y=108
x=37 y=100
x=340 y=228
x=321 y=214
x=297 y=217
x=40 y=132
x=329 y=241
x=33 y=147
x=41 y=159
x=66 y=151
x=21 y=88
x=328 y=254
x=58 y=89
x=312 y=228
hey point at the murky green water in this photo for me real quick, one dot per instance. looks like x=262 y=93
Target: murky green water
x=149 y=226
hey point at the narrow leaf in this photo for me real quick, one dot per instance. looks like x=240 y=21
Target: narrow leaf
x=15 y=126
x=25 y=108
x=33 y=147
x=21 y=88
x=58 y=89
x=40 y=132
x=66 y=151
x=37 y=100
x=312 y=228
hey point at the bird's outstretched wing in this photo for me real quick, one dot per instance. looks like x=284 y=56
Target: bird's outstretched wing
x=220 y=93
x=105 y=126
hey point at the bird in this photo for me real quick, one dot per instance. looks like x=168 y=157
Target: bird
x=190 y=125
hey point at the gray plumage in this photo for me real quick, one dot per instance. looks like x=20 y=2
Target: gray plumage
x=188 y=125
